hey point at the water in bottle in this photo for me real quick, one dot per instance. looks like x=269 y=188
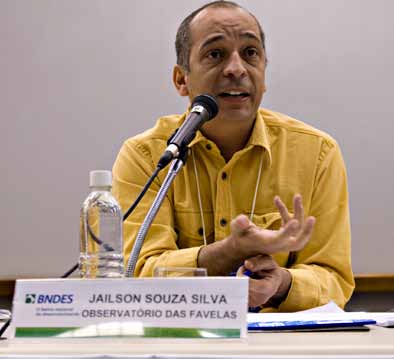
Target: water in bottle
x=101 y=234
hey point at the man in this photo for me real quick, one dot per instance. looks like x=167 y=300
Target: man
x=260 y=192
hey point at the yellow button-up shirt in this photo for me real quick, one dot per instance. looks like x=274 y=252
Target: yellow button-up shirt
x=296 y=158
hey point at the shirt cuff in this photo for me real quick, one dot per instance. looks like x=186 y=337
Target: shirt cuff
x=186 y=257
x=303 y=293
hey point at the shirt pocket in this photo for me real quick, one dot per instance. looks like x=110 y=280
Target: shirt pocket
x=189 y=229
x=272 y=221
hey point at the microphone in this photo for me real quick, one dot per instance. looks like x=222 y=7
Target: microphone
x=204 y=108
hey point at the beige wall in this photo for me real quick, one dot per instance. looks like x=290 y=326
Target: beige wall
x=79 y=77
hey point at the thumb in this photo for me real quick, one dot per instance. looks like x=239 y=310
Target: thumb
x=240 y=224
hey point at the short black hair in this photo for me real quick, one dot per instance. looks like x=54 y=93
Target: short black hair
x=183 y=41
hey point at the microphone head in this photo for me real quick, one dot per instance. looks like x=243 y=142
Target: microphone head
x=209 y=103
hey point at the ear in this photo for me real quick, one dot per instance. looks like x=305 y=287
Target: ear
x=179 y=78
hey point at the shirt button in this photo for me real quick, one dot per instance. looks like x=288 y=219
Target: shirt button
x=224 y=175
x=223 y=222
x=208 y=146
x=200 y=231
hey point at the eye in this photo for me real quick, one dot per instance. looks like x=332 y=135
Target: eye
x=214 y=54
x=251 y=52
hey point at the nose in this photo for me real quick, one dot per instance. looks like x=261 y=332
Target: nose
x=234 y=66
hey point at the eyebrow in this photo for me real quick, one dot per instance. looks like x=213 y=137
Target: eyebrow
x=247 y=34
x=211 y=40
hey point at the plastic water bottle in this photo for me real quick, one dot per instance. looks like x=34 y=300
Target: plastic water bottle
x=101 y=234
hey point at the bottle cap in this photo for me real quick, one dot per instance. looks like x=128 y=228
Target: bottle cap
x=100 y=178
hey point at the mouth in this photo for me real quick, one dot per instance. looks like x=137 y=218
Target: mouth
x=233 y=94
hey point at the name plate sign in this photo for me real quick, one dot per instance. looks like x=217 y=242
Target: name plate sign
x=208 y=307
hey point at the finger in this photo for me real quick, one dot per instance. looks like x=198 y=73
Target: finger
x=240 y=224
x=308 y=226
x=281 y=240
x=302 y=239
x=291 y=228
x=298 y=208
x=241 y=271
x=284 y=213
x=262 y=262
x=261 y=290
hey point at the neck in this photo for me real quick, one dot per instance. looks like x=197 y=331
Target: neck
x=232 y=136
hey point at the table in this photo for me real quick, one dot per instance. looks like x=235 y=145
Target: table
x=377 y=343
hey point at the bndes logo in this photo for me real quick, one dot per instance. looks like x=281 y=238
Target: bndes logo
x=30 y=298
x=49 y=298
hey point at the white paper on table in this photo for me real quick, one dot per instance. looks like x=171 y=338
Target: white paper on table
x=329 y=311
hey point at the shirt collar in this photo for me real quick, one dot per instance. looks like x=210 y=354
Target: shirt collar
x=258 y=137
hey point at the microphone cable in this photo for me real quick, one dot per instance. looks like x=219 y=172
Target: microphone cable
x=4 y=327
x=5 y=314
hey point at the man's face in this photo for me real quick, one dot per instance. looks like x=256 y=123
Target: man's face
x=227 y=60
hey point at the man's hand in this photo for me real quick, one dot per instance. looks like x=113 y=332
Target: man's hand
x=248 y=240
x=269 y=283
x=298 y=212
